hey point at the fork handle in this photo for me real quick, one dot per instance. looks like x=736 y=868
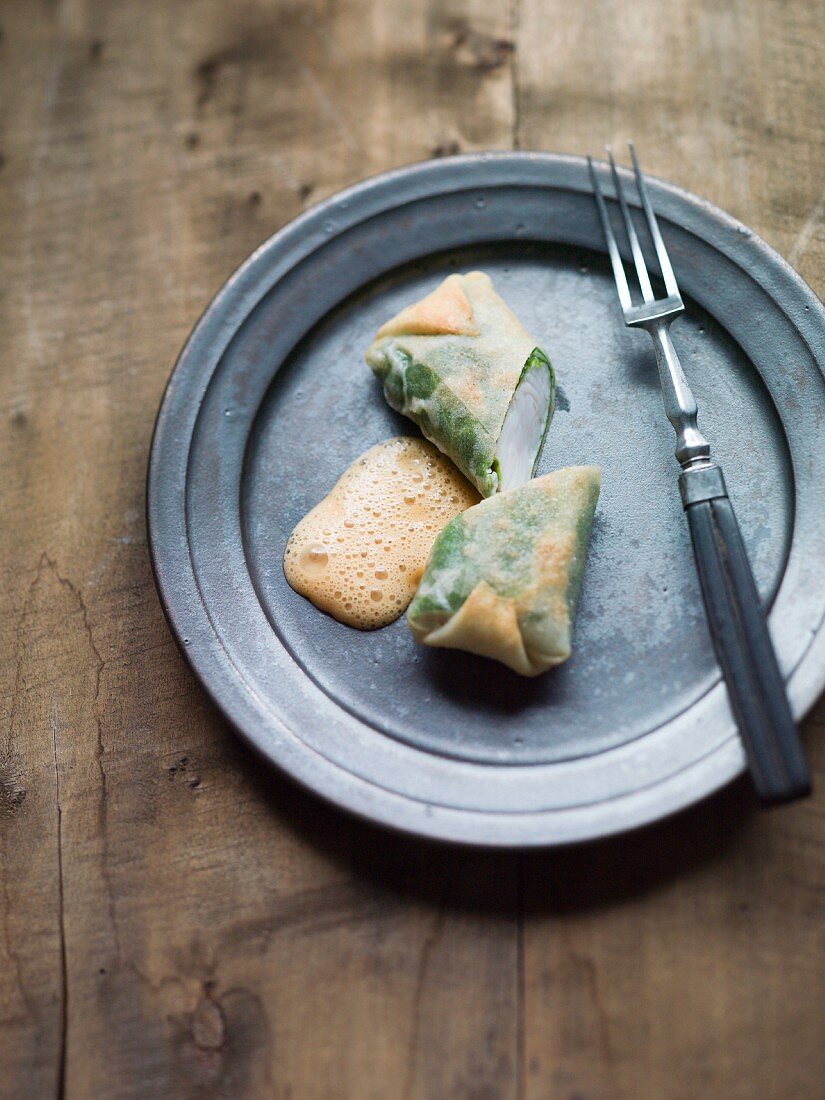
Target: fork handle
x=740 y=637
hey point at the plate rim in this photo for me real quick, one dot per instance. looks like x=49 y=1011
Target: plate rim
x=430 y=820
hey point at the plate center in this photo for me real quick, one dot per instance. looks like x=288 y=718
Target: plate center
x=642 y=653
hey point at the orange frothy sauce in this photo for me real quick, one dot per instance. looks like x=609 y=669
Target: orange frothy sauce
x=360 y=553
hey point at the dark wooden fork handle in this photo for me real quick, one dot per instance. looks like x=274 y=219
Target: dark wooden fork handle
x=740 y=637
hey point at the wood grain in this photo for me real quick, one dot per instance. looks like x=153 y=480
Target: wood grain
x=174 y=919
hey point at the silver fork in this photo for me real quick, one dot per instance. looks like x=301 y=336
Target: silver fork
x=735 y=616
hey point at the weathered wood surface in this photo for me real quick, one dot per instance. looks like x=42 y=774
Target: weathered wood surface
x=174 y=919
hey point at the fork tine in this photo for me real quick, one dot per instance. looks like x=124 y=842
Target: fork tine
x=635 y=247
x=610 y=237
x=664 y=260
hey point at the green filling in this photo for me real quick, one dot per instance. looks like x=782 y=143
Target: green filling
x=417 y=390
x=496 y=540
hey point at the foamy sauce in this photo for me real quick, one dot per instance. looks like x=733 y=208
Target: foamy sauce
x=360 y=553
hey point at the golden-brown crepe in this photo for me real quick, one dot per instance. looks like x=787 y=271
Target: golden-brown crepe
x=503 y=578
x=460 y=364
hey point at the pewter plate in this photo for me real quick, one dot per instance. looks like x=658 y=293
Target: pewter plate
x=270 y=401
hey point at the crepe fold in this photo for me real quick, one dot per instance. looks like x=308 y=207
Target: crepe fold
x=503 y=578
x=460 y=364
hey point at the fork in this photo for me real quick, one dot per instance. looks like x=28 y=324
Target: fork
x=735 y=616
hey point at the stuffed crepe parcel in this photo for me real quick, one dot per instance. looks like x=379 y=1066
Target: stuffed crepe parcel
x=461 y=366
x=503 y=577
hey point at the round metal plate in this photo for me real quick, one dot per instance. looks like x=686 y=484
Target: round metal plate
x=270 y=401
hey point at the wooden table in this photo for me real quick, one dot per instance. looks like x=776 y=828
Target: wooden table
x=176 y=920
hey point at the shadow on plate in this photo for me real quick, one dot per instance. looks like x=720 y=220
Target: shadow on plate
x=478 y=682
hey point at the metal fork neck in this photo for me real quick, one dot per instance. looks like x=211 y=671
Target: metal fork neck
x=692 y=449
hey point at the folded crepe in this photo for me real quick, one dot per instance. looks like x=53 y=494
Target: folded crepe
x=460 y=364
x=503 y=578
